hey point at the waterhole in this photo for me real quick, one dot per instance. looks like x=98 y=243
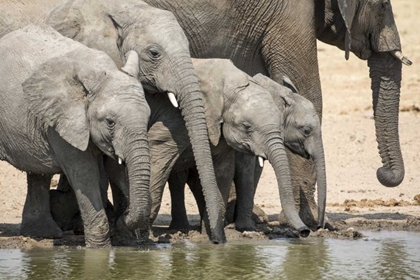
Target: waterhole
x=380 y=255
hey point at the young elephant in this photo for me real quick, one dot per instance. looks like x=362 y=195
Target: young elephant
x=241 y=115
x=301 y=130
x=64 y=104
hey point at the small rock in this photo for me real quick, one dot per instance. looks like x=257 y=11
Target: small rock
x=350 y=229
x=25 y=239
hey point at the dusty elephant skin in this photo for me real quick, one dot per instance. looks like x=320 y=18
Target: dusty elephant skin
x=163 y=63
x=279 y=38
x=252 y=109
x=255 y=113
x=68 y=105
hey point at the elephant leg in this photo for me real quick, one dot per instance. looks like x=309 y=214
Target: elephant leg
x=36 y=217
x=104 y=183
x=118 y=181
x=160 y=172
x=246 y=178
x=82 y=171
x=177 y=181
x=65 y=210
x=197 y=190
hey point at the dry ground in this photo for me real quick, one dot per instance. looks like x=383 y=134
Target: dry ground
x=354 y=194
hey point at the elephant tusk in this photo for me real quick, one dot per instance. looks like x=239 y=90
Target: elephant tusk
x=120 y=160
x=172 y=98
x=398 y=55
x=261 y=162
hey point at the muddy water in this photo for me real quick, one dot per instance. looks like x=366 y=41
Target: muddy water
x=383 y=255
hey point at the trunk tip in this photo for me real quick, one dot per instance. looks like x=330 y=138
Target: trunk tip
x=388 y=177
x=304 y=231
x=218 y=238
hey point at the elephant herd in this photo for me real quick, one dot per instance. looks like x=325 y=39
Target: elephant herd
x=134 y=94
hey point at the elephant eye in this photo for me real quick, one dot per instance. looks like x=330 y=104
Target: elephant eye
x=110 y=122
x=246 y=126
x=154 y=52
x=307 y=130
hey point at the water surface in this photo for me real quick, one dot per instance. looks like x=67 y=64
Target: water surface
x=385 y=255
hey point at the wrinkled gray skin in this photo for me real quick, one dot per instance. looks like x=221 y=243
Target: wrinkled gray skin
x=302 y=135
x=164 y=64
x=63 y=105
x=252 y=111
x=277 y=38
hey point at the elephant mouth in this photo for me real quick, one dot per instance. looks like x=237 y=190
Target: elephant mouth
x=150 y=88
x=298 y=148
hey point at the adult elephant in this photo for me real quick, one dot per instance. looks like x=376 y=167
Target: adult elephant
x=278 y=37
x=63 y=104
x=148 y=41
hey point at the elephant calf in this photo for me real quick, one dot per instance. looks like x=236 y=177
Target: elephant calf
x=63 y=105
x=252 y=115
x=248 y=114
x=252 y=125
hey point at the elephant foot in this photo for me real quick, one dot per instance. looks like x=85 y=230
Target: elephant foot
x=123 y=236
x=309 y=218
x=245 y=225
x=179 y=224
x=44 y=227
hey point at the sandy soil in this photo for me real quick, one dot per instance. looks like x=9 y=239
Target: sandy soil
x=355 y=198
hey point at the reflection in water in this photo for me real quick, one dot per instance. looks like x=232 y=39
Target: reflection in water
x=387 y=255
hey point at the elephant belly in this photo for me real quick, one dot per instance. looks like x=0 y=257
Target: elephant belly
x=185 y=160
x=29 y=152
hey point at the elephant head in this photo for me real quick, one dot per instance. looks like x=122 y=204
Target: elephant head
x=250 y=121
x=367 y=28
x=96 y=104
x=154 y=49
x=302 y=131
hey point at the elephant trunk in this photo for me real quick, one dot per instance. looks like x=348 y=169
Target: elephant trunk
x=191 y=103
x=278 y=159
x=321 y=179
x=385 y=73
x=137 y=160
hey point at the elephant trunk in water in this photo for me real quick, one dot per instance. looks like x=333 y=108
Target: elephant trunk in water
x=276 y=154
x=137 y=160
x=385 y=72
x=190 y=99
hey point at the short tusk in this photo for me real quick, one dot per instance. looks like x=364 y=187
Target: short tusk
x=398 y=55
x=172 y=98
x=119 y=160
x=261 y=162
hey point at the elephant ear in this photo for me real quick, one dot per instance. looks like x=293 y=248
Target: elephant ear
x=211 y=85
x=67 y=20
x=288 y=83
x=57 y=94
x=88 y=24
x=348 y=12
x=284 y=92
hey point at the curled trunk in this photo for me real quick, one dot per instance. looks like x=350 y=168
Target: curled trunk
x=385 y=72
x=137 y=159
x=278 y=159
